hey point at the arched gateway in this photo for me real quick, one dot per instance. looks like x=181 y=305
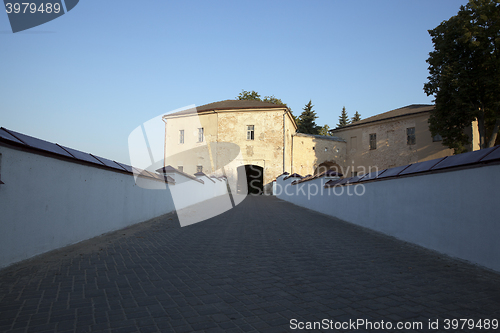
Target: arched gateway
x=328 y=165
x=250 y=179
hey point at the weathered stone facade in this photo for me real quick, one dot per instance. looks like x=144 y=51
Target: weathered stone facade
x=314 y=153
x=273 y=146
x=263 y=135
x=394 y=138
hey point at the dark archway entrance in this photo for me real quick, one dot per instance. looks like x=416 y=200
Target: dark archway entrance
x=250 y=179
x=325 y=166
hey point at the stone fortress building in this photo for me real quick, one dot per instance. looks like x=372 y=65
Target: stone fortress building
x=395 y=138
x=259 y=141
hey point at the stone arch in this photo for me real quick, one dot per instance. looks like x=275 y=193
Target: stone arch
x=250 y=179
x=327 y=165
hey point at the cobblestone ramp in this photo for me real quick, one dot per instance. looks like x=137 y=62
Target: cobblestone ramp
x=252 y=269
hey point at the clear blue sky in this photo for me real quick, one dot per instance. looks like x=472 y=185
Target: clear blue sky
x=88 y=78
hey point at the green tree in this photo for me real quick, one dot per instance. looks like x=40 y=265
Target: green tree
x=324 y=130
x=249 y=95
x=356 y=117
x=306 y=123
x=343 y=119
x=464 y=75
x=253 y=95
x=274 y=100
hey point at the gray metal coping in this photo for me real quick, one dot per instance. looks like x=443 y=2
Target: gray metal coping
x=201 y=174
x=448 y=163
x=171 y=169
x=328 y=173
x=26 y=142
x=293 y=175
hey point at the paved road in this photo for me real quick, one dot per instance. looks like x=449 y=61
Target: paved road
x=251 y=269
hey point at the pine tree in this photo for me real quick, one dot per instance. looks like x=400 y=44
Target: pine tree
x=357 y=117
x=343 y=119
x=306 y=120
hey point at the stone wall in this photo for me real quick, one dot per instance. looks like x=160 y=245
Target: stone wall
x=226 y=141
x=192 y=153
x=309 y=151
x=266 y=150
x=391 y=144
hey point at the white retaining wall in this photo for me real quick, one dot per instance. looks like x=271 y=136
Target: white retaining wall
x=188 y=192
x=454 y=212
x=47 y=203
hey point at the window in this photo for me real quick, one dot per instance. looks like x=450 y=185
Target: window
x=200 y=134
x=180 y=168
x=250 y=132
x=181 y=136
x=437 y=138
x=373 y=141
x=199 y=168
x=410 y=136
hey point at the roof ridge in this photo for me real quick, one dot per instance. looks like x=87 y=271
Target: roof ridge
x=395 y=113
x=230 y=104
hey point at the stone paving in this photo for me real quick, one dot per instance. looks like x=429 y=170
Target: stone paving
x=252 y=269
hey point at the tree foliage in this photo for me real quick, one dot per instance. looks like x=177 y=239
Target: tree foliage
x=464 y=75
x=356 y=117
x=253 y=95
x=274 y=100
x=343 y=119
x=306 y=123
x=325 y=130
x=249 y=95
